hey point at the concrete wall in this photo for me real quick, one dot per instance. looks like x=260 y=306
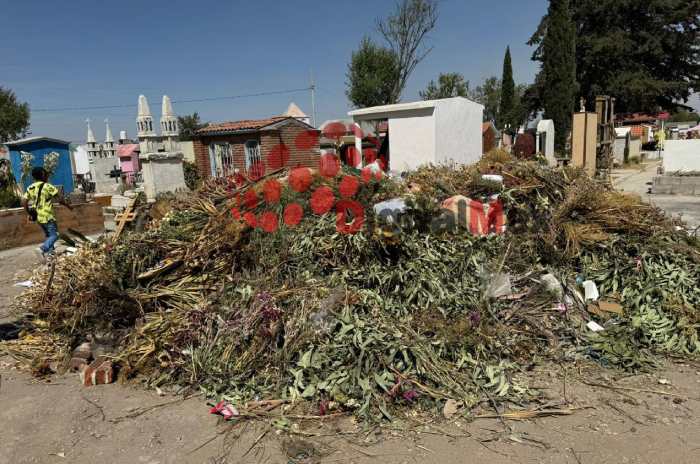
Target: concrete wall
x=412 y=139
x=676 y=185
x=545 y=129
x=619 y=149
x=16 y=229
x=162 y=172
x=99 y=171
x=681 y=155
x=187 y=149
x=635 y=148
x=458 y=136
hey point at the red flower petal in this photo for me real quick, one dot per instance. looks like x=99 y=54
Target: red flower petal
x=293 y=213
x=341 y=224
x=256 y=170
x=334 y=130
x=356 y=130
x=300 y=179
x=352 y=156
x=370 y=155
x=328 y=165
x=278 y=157
x=366 y=175
x=348 y=186
x=322 y=200
x=306 y=140
x=249 y=199
x=268 y=221
x=272 y=190
x=250 y=219
x=236 y=213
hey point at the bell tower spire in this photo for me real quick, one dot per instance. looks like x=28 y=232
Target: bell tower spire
x=92 y=148
x=144 y=120
x=108 y=147
x=168 y=120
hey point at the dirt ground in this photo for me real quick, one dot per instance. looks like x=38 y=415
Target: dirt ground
x=615 y=417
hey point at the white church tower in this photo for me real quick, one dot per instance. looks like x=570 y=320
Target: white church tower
x=160 y=157
x=168 y=126
x=108 y=149
x=144 y=126
x=93 y=148
x=168 y=120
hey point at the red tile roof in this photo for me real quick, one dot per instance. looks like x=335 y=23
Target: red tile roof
x=636 y=118
x=637 y=131
x=127 y=149
x=240 y=126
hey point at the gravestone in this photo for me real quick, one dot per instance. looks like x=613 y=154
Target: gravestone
x=162 y=172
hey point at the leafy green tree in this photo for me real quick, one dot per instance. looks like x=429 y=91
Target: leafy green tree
x=449 y=85
x=405 y=31
x=489 y=95
x=520 y=113
x=684 y=116
x=506 y=108
x=188 y=125
x=14 y=116
x=645 y=54
x=372 y=75
x=557 y=80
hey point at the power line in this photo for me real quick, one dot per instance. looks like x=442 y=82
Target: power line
x=192 y=100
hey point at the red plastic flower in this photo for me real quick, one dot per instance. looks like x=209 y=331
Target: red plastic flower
x=268 y=221
x=306 y=140
x=278 y=157
x=272 y=190
x=300 y=179
x=322 y=200
x=334 y=130
x=328 y=165
x=236 y=213
x=256 y=170
x=348 y=186
x=366 y=175
x=293 y=213
x=250 y=219
x=358 y=213
x=249 y=199
x=353 y=156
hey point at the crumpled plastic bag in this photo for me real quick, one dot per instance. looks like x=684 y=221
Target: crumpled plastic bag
x=225 y=409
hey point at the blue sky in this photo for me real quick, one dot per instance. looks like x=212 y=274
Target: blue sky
x=78 y=53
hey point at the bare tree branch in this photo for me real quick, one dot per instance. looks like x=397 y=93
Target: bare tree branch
x=405 y=31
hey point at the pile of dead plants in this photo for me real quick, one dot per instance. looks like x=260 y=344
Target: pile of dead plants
x=240 y=294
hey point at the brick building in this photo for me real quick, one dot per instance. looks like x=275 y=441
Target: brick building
x=280 y=141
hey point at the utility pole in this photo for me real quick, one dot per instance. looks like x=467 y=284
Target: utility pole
x=312 y=87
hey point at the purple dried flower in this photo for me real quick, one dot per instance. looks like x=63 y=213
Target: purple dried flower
x=475 y=318
x=410 y=395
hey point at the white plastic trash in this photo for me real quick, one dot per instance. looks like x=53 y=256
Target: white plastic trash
x=493 y=178
x=591 y=291
x=594 y=326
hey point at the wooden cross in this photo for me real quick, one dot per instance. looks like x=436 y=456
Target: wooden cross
x=123 y=218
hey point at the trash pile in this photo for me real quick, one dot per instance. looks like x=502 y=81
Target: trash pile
x=297 y=287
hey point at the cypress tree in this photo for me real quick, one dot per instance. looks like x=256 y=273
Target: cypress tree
x=559 y=69
x=505 y=107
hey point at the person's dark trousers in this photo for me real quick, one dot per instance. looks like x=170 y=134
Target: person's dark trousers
x=51 y=232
